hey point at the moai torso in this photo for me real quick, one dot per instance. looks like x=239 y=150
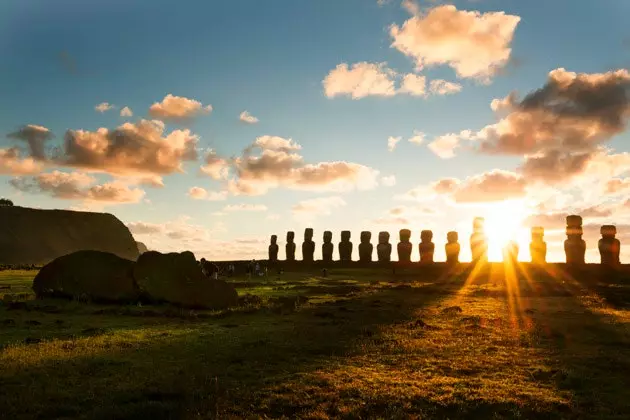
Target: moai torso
x=479 y=241
x=609 y=246
x=404 y=246
x=384 y=248
x=290 y=246
x=426 y=246
x=452 y=248
x=273 y=249
x=345 y=247
x=510 y=252
x=365 y=247
x=308 y=246
x=538 y=247
x=574 y=246
x=327 y=247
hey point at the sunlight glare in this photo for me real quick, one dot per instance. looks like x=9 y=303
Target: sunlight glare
x=504 y=224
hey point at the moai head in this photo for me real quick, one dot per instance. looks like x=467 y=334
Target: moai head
x=404 y=235
x=574 y=221
x=383 y=237
x=426 y=236
x=345 y=235
x=574 y=232
x=274 y=239
x=327 y=236
x=478 y=224
x=308 y=234
x=290 y=236
x=608 y=231
x=452 y=237
x=538 y=232
x=366 y=236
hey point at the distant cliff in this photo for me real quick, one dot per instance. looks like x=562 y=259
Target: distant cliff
x=33 y=236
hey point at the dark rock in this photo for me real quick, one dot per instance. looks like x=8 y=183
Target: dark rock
x=327 y=247
x=452 y=247
x=308 y=246
x=32 y=340
x=8 y=322
x=345 y=247
x=404 y=246
x=426 y=247
x=384 y=248
x=452 y=310
x=273 y=249
x=178 y=279
x=32 y=323
x=290 y=246
x=609 y=246
x=365 y=247
x=574 y=245
x=101 y=276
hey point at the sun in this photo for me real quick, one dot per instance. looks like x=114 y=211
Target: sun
x=503 y=223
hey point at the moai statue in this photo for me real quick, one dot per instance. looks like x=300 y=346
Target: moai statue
x=273 y=249
x=609 y=246
x=327 y=247
x=574 y=246
x=427 y=248
x=290 y=246
x=479 y=241
x=365 y=247
x=538 y=247
x=452 y=247
x=384 y=248
x=308 y=246
x=510 y=252
x=345 y=247
x=404 y=246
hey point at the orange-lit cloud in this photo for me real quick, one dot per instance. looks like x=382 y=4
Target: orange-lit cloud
x=360 y=80
x=178 y=108
x=198 y=193
x=495 y=185
x=474 y=44
x=12 y=164
x=35 y=136
x=248 y=118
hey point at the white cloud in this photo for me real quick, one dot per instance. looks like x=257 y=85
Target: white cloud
x=126 y=112
x=198 y=193
x=244 y=207
x=392 y=142
x=443 y=87
x=248 y=118
x=414 y=85
x=103 y=106
x=388 y=181
x=445 y=146
x=361 y=80
x=178 y=108
x=417 y=138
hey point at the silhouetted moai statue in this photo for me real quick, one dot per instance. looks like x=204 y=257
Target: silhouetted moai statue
x=609 y=246
x=452 y=247
x=404 y=246
x=345 y=247
x=538 y=247
x=273 y=249
x=327 y=247
x=308 y=246
x=289 y=248
x=479 y=241
x=574 y=246
x=510 y=252
x=427 y=248
x=384 y=248
x=365 y=247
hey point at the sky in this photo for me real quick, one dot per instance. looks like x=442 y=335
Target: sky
x=211 y=125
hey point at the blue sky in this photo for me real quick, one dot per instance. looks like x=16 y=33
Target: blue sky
x=61 y=59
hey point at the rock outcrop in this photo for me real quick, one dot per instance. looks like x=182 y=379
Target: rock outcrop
x=34 y=236
x=93 y=275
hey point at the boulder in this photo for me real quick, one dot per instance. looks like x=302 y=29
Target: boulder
x=96 y=275
x=142 y=248
x=177 y=278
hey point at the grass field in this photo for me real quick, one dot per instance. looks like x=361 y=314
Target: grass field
x=366 y=344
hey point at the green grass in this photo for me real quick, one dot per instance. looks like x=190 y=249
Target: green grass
x=367 y=344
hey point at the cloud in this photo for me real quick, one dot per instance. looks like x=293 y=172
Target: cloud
x=414 y=85
x=178 y=108
x=474 y=44
x=215 y=167
x=103 y=107
x=388 y=181
x=131 y=149
x=392 y=142
x=442 y=87
x=198 y=193
x=273 y=162
x=616 y=185
x=77 y=186
x=496 y=185
x=248 y=118
x=361 y=80
x=35 y=136
x=143 y=228
x=12 y=164
x=392 y=221
x=244 y=207
x=317 y=206
x=126 y=112
x=417 y=138
x=445 y=146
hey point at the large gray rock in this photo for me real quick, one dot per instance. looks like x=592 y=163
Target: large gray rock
x=96 y=275
x=177 y=278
